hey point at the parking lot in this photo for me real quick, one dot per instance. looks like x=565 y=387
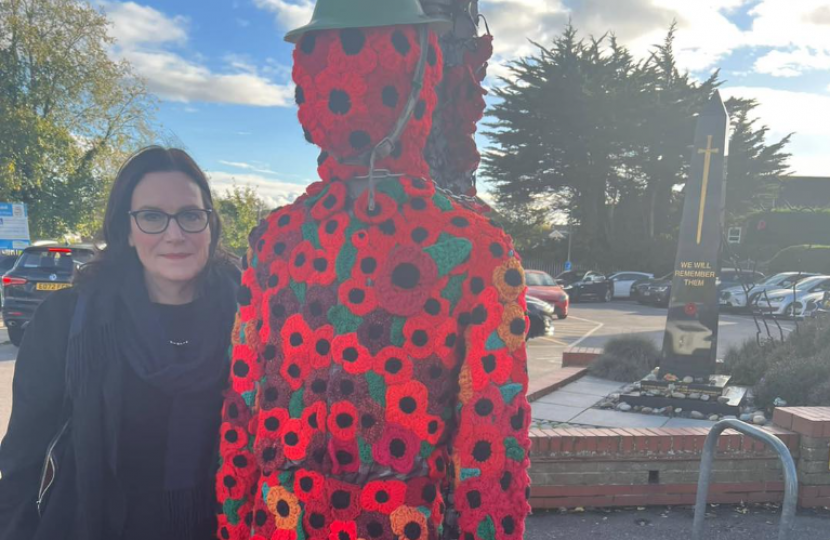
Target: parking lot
x=589 y=325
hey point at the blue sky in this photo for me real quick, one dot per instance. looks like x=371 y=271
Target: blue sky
x=222 y=70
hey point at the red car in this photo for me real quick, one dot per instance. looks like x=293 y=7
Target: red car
x=543 y=287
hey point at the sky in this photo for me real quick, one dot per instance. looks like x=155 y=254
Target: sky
x=222 y=70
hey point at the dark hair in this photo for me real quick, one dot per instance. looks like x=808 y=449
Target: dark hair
x=111 y=260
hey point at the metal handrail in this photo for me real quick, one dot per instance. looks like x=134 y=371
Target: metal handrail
x=790 y=474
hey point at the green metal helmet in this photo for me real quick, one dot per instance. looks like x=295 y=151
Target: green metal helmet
x=337 y=14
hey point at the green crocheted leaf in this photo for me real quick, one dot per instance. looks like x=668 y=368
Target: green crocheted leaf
x=513 y=450
x=231 y=510
x=365 y=450
x=255 y=260
x=454 y=290
x=311 y=200
x=426 y=449
x=343 y=320
x=494 y=342
x=345 y=261
x=486 y=529
x=300 y=531
x=466 y=474
x=299 y=291
x=442 y=202
x=266 y=489
x=510 y=391
x=449 y=254
x=310 y=234
x=249 y=398
x=295 y=406
x=394 y=189
x=377 y=387
x=397 y=336
x=425 y=511
x=287 y=480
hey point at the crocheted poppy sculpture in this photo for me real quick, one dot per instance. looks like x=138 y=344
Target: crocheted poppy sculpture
x=378 y=373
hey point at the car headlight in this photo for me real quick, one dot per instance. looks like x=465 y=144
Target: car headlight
x=664 y=288
x=776 y=299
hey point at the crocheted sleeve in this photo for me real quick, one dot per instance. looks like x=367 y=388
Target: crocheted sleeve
x=239 y=472
x=490 y=450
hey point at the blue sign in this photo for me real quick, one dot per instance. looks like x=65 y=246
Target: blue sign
x=14 y=226
x=568 y=266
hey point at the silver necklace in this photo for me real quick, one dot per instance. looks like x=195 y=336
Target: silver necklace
x=179 y=343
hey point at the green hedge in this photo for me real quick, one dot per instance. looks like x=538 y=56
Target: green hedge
x=801 y=259
x=771 y=231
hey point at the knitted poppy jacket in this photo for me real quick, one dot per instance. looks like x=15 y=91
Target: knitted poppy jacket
x=378 y=373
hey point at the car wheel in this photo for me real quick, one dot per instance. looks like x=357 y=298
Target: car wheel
x=16 y=335
x=792 y=310
x=609 y=295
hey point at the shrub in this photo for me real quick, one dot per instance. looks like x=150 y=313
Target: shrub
x=805 y=258
x=626 y=359
x=747 y=363
x=798 y=380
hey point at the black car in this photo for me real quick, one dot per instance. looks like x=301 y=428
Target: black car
x=541 y=315
x=658 y=292
x=38 y=272
x=639 y=288
x=7 y=260
x=586 y=286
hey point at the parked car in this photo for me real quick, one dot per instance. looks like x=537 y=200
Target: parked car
x=586 y=285
x=541 y=315
x=38 y=272
x=638 y=288
x=792 y=302
x=736 y=297
x=731 y=277
x=7 y=260
x=657 y=292
x=624 y=282
x=543 y=287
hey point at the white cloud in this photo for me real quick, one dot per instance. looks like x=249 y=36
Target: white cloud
x=147 y=38
x=290 y=14
x=793 y=112
x=276 y=193
x=247 y=166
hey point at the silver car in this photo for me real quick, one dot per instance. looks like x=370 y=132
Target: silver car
x=736 y=297
x=791 y=302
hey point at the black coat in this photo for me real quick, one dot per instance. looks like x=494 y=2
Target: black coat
x=37 y=413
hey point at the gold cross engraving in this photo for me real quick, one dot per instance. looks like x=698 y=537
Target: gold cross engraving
x=707 y=163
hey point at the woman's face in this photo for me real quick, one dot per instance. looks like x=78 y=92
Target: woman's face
x=174 y=256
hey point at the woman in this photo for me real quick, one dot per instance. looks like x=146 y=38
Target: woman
x=133 y=358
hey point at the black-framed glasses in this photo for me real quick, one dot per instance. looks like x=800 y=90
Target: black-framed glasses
x=194 y=220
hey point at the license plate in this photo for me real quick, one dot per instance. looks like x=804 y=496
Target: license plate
x=51 y=286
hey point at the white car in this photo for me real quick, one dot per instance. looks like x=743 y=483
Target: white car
x=789 y=302
x=735 y=297
x=624 y=280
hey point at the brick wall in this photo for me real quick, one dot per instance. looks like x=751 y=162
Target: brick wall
x=813 y=425
x=580 y=356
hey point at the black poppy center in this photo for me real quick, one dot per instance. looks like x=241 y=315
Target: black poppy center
x=517 y=326
x=513 y=277
x=482 y=451
x=420 y=338
x=401 y=43
x=357 y=296
x=390 y=96
x=397 y=448
x=340 y=499
x=291 y=438
x=406 y=276
x=350 y=354
x=283 y=509
x=412 y=530
x=484 y=407
x=306 y=484
x=352 y=40
x=393 y=366
x=339 y=102
x=408 y=404
x=323 y=347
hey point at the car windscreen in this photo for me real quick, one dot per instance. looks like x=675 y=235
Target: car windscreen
x=53 y=260
x=808 y=283
x=539 y=279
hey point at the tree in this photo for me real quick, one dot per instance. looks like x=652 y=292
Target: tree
x=68 y=113
x=241 y=209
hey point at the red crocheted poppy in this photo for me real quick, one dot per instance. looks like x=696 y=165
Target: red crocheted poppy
x=249 y=295
x=488 y=366
x=319 y=353
x=373 y=240
x=318 y=301
x=323 y=269
x=410 y=523
x=232 y=438
x=300 y=262
x=286 y=219
x=242 y=463
x=357 y=296
x=295 y=439
x=332 y=231
x=417 y=187
x=343 y=420
x=397 y=48
x=343 y=499
x=330 y=170
x=270 y=423
x=316 y=517
x=421 y=491
x=311 y=52
x=374 y=526
x=316 y=387
x=296 y=336
x=396 y=448
x=406 y=403
x=228 y=484
x=281 y=306
x=436 y=307
x=385 y=208
x=437 y=462
x=375 y=330
x=245 y=369
x=474 y=496
x=387 y=96
x=447 y=341
x=284 y=534
x=294 y=369
x=430 y=428
x=406 y=281
x=278 y=277
x=330 y=202
x=482 y=448
x=343 y=530
x=308 y=485
x=349 y=353
x=419 y=230
x=487 y=312
x=344 y=455
x=340 y=107
x=314 y=417
x=383 y=496
x=509 y=523
x=368 y=262
x=234 y=409
x=419 y=336
x=346 y=387
x=394 y=364
x=486 y=407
